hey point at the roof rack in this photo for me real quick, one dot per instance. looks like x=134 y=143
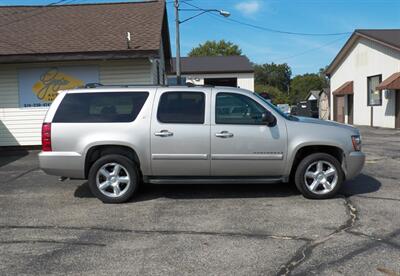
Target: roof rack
x=96 y=85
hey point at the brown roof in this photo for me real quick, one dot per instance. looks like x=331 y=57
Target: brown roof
x=391 y=83
x=213 y=65
x=344 y=89
x=387 y=37
x=87 y=29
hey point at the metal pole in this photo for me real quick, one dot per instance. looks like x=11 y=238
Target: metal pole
x=178 y=46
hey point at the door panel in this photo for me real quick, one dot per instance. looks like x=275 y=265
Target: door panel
x=182 y=147
x=245 y=149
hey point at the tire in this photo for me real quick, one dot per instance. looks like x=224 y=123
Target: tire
x=117 y=175
x=319 y=184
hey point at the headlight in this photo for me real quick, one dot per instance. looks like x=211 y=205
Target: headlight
x=356 y=140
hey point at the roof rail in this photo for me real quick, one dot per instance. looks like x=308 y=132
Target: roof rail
x=188 y=84
x=92 y=85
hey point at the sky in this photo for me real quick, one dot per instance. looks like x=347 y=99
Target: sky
x=303 y=53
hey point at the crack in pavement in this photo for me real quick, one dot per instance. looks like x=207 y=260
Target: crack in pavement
x=366 y=247
x=304 y=252
x=160 y=232
x=52 y=241
x=384 y=240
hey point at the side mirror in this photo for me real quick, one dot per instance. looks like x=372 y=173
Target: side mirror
x=269 y=119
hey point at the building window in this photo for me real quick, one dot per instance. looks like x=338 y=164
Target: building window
x=181 y=108
x=374 y=95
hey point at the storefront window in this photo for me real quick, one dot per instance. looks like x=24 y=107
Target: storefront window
x=374 y=95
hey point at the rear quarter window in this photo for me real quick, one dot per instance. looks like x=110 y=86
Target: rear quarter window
x=100 y=107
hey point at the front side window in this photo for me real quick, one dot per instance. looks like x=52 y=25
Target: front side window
x=374 y=95
x=102 y=107
x=238 y=109
x=181 y=108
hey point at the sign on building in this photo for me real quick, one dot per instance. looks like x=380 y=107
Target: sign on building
x=38 y=87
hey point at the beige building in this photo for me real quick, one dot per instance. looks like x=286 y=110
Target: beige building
x=365 y=79
x=45 y=49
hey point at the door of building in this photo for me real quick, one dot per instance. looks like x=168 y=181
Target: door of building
x=397 y=116
x=339 y=109
x=350 y=109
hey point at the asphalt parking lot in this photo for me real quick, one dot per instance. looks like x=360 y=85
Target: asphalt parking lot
x=52 y=227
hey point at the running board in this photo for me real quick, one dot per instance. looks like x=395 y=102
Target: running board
x=213 y=180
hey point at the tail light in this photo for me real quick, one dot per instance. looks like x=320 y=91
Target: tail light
x=46 y=137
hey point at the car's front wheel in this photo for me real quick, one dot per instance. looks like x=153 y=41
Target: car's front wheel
x=319 y=176
x=113 y=178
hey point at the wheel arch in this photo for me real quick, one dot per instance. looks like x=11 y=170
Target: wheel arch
x=96 y=151
x=304 y=150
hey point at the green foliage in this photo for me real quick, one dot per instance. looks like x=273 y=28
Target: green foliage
x=276 y=75
x=216 y=48
x=277 y=96
x=302 y=84
x=323 y=76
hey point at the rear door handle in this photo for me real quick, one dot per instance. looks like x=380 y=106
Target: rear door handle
x=164 y=133
x=224 y=134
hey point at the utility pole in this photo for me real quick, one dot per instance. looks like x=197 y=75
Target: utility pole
x=178 y=46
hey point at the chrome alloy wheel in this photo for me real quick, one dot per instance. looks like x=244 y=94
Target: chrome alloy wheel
x=321 y=177
x=113 y=180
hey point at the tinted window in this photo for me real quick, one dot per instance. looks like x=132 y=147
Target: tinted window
x=100 y=107
x=238 y=109
x=181 y=108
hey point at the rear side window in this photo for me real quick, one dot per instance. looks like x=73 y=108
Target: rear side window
x=100 y=107
x=181 y=108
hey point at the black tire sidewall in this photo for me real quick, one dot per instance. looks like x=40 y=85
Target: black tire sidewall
x=113 y=158
x=303 y=165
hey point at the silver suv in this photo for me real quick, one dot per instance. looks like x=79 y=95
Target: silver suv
x=119 y=137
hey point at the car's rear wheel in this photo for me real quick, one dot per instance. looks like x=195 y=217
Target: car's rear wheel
x=113 y=178
x=319 y=176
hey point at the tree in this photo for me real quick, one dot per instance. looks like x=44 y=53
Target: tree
x=323 y=76
x=277 y=96
x=216 y=48
x=302 y=84
x=271 y=74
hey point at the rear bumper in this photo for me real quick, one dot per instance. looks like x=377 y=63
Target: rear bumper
x=354 y=163
x=68 y=164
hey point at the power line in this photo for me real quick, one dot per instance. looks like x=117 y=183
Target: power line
x=294 y=55
x=273 y=30
x=310 y=50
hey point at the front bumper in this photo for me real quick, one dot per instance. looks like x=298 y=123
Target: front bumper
x=68 y=164
x=354 y=164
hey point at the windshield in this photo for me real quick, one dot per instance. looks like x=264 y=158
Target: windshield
x=277 y=109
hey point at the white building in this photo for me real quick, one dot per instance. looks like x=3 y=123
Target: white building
x=365 y=79
x=235 y=71
x=44 y=49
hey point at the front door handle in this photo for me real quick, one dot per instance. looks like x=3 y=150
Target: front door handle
x=164 y=133
x=224 y=134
